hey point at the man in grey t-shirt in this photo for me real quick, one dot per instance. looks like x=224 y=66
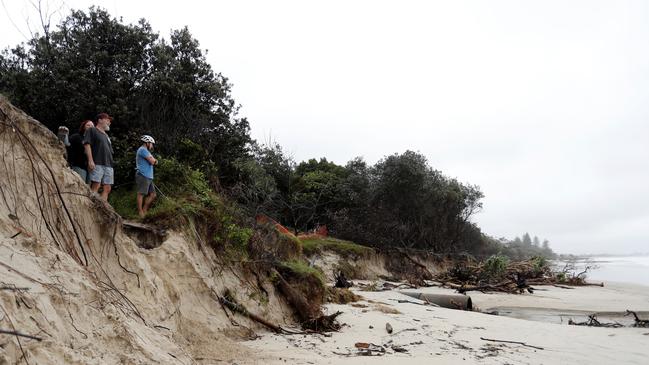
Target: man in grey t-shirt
x=99 y=151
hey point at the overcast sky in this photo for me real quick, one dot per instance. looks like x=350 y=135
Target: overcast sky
x=544 y=104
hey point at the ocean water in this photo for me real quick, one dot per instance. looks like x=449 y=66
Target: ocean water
x=624 y=269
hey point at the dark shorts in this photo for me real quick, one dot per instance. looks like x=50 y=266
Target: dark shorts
x=144 y=185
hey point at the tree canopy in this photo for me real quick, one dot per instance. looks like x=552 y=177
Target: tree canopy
x=94 y=63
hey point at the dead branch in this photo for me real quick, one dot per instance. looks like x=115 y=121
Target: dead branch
x=594 y=322
x=515 y=342
x=638 y=322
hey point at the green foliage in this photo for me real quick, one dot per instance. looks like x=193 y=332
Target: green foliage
x=125 y=148
x=540 y=264
x=402 y=201
x=94 y=62
x=233 y=237
x=124 y=203
x=300 y=269
x=175 y=178
x=494 y=268
x=184 y=193
x=344 y=248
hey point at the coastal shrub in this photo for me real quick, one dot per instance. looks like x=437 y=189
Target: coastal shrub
x=175 y=178
x=301 y=270
x=494 y=268
x=540 y=266
x=233 y=237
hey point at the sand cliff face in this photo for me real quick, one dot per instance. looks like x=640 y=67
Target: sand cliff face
x=86 y=288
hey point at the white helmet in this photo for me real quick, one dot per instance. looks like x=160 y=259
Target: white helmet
x=147 y=139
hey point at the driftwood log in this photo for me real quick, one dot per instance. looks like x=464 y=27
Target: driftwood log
x=514 y=342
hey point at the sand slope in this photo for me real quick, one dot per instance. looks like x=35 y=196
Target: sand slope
x=92 y=294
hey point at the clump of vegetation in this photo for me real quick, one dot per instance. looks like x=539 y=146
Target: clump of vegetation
x=498 y=273
x=299 y=269
x=182 y=192
x=313 y=245
x=235 y=237
x=494 y=268
x=341 y=296
x=540 y=265
x=186 y=201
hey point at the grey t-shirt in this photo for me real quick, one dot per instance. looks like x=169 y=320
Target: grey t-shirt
x=102 y=149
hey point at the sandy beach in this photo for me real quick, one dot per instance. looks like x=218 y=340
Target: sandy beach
x=448 y=336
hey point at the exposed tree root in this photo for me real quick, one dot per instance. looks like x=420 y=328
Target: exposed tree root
x=638 y=322
x=309 y=314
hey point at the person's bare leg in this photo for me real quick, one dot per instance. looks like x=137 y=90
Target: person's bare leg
x=147 y=202
x=104 y=194
x=94 y=186
x=139 y=205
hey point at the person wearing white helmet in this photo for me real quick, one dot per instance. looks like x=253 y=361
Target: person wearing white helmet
x=144 y=162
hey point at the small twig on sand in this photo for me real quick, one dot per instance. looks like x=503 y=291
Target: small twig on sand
x=516 y=342
x=562 y=286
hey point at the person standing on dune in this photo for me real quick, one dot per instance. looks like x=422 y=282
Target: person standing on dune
x=76 y=151
x=144 y=162
x=99 y=151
